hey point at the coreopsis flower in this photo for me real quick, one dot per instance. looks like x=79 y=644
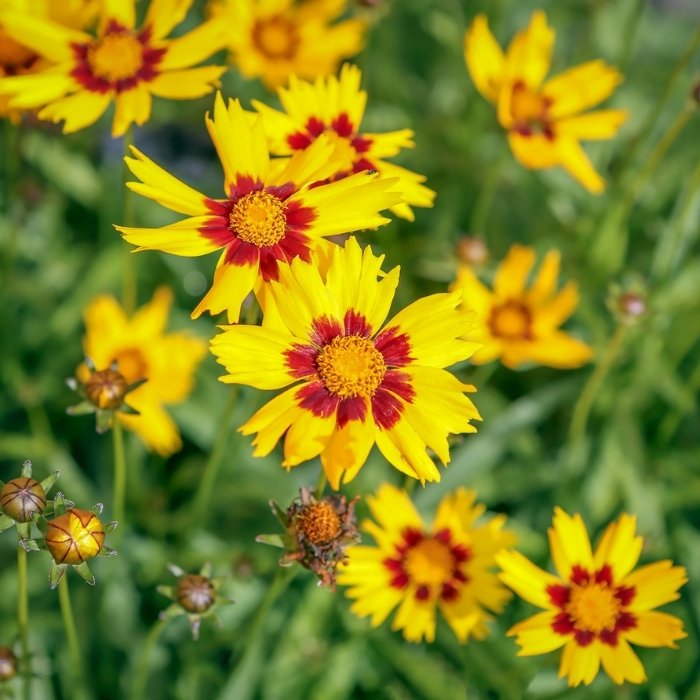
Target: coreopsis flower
x=195 y=595
x=545 y=120
x=354 y=379
x=335 y=106
x=275 y=39
x=270 y=215
x=122 y=63
x=127 y=350
x=519 y=324
x=448 y=566
x=597 y=604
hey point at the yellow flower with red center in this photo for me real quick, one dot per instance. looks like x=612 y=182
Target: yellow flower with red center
x=142 y=350
x=597 y=605
x=519 y=324
x=354 y=379
x=74 y=537
x=270 y=215
x=121 y=64
x=448 y=566
x=335 y=107
x=545 y=120
x=275 y=39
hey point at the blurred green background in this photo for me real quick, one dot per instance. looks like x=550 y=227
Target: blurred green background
x=641 y=452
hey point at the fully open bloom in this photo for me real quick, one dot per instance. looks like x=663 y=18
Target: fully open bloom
x=597 y=605
x=544 y=120
x=269 y=215
x=448 y=566
x=274 y=39
x=142 y=350
x=356 y=380
x=520 y=324
x=121 y=64
x=335 y=106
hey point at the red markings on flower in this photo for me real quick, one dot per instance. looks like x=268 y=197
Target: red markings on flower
x=531 y=112
x=592 y=607
x=395 y=346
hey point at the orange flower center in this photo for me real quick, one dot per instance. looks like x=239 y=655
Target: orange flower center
x=259 y=218
x=276 y=37
x=319 y=522
x=512 y=320
x=132 y=364
x=351 y=366
x=530 y=110
x=116 y=56
x=75 y=537
x=593 y=607
x=12 y=54
x=430 y=563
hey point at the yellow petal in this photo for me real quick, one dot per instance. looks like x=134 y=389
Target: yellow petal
x=187 y=84
x=123 y=11
x=76 y=111
x=556 y=349
x=655 y=584
x=272 y=420
x=530 y=53
x=656 y=629
x=513 y=272
x=593 y=126
x=307 y=437
x=621 y=663
x=545 y=284
x=416 y=619
x=484 y=58
x=133 y=107
x=347 y=451
x=619 y=547
x=536 y=636
x=393 y=509
x=154 y=426
x=31 y=91
x=181 y=238
x=48 y=39
x=389 y=143
x=195 y=46
x=527 y=580
x=536 y=151
x=569 y=543
x=574 y=160
x=164 y=15
x=402 y=446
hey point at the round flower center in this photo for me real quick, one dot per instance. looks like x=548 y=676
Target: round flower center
x=259 y=218
x=351 y=366
x=132 y=364
x=276 y=37
x=430 y=563
x=106 y=389
x=511 y=320
x=115 y=56
x=75 y=537
x=530 y=110
x=593 y=607
x=12 y=54
x=319 y=523
x=196 y=593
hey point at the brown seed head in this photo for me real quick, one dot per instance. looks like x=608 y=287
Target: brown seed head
x=319 y=522
x=75 y=537
x=106 y=389
x=21 y=498
x=196 y=593
x=8 y=664
x=472 y=251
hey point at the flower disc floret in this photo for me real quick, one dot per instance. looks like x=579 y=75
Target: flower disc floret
x=351 y=366
x=319 y=522
x=75 y=537
x=276 y=37
x=116 y=56
x=259 y=218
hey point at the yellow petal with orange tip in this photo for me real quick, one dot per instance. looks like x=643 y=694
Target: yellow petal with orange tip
x=621 y=663
x=186 y=84
x=656 y=629
x=527 y=580
x=569 y=543
x=76 y=111
x=593 y=126
x=484 y=58
x=529 y=54
x=181 y=238
x=347 y=450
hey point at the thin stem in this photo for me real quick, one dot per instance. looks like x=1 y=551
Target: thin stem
x=144 y=661
x=23 y=619
x=119 y=471
x=487 y=194
x=76 y=658
x=130 y=279
x=211 y=469
x=321 y=484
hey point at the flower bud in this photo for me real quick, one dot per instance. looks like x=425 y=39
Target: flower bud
x=21 y=498
x=8 y=664
x=472 y=251
x=632 y=306
x=106 y=389
x=74 y=537
x=195 y=593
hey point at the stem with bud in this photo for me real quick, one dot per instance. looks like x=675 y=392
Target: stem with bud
x=77 y=676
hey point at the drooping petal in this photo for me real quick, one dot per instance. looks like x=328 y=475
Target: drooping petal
x=534 y=151
x=307 y=438
x=557 y=349
x=402 y=446
x=347 y=451
x=154 y=426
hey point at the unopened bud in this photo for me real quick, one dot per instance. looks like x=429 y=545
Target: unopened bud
x=195 y=593
x=21 y=498
x=472 y=251
x=75 y=537
x=631 y=305
x=8 y=664
x=106 y=389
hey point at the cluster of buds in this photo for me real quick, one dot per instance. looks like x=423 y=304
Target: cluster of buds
x=103 y=392
x=195 y=595
x=316 y=533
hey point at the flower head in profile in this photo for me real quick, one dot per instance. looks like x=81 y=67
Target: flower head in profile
x=135 y=349
x=269 y=215
x=122 y=63
x=335 y=107
x=597 y=605
x=354 y=379
x=275 y=39
x=519 y=324
x=448 y=566
x=546 y=120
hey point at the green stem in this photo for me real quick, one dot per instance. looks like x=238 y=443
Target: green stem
x=130 y=279
x=211 y=469
x=77 y=676
x=119 y=471
x=141 y=673
x=23 y=620
x=409 y=484
x=486 y=196
x=321 y=484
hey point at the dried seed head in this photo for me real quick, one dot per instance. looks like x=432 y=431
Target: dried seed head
x=75 y=537
x=8 y=664
x=472 y=251
x=318 y=522
x=195 y=593
x=106 y=389
x=21 y=498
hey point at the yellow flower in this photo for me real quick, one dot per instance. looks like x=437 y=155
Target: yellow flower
x=74 y=537
x=121 y=64
x=518 y=324
x=275 y=39
x=335 y=107
x=544 y=120
x=419 y=569
x=142 y=350
x=356 y=380
x=270 y=215
x=597 y=605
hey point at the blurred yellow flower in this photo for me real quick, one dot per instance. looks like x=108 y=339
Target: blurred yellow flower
x=597 y=605
x=275 y=39
x=354 y=379
x=519 y=324
x=270 y=215
x=121 y=64
x=335 y=107
x=142 y=350
x=544 y=120
x=448 y=566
